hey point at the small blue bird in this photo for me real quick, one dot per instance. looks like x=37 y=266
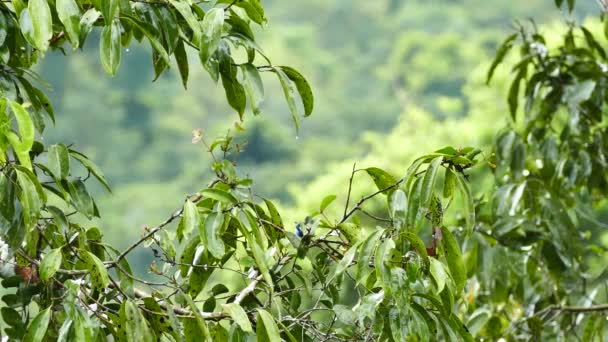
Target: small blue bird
x=299 y=232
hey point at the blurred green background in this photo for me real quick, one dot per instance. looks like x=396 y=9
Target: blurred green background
x=392 y=79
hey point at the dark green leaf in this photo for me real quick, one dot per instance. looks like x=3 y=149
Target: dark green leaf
x=37 y=328
x=303 y=88
x=81 y=198
x=212 y=28
x=190 y=220
x=50 y=264
x=502 y=51
x=90 y=166
x=267 y=329
x=182 y=63
x=239 y=316
x=253 y=86
x=59 y=160
x=69 y=15
x=109 y=47
x=289 y=93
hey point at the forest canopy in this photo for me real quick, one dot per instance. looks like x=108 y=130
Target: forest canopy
x=463 y=211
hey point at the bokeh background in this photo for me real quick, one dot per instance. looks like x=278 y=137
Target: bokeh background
x=392 y=79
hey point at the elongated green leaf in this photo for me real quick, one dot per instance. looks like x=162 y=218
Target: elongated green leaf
x=289 y=93
x=267 y=329
x=181 y=57
x=37 y=328
x=210 y=234
x=346 y=260
x=88 y=19
x=25 y=124
x=81 y=198
x=381 y=178
x=69 y=15
x=190 y=220
x=414 y=211
x=453 y=257
x=59 y=160
x=153 y=36
x=220 y=195
x=274 y=213
x=469 y=205
x=303 y=87
x=134 y=323
x=254 y=10
x=212 y=28
x=449 y=182
x=186 y=11
x=239 y=316
x=50 y=264
x=109 y=48
x=235 y=92
x=32 y=197
x=109 y=10
x=456 y=324
x=326 y=202
x=428 y=184
x=418 y=244
x=59 y=218
x=97 y=270
x=513 y=98
x=90 y=166
x=382 y=262
x=366 y=251
x=42 y=23
x=439 y=275
x=253 y=87
x=502 y=51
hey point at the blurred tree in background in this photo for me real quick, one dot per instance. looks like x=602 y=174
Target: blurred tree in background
x=501 y=242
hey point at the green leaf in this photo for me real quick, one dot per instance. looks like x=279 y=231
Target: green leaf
x=513 y=97
x=220 y=195
x=81 y=198
x=37 y=328
x=381 y=178
x=88 y=19
x=212 y=27
x=502 y=51
x=210 y=234
x=366 y=251
x=135 y=325
x=186 y=11
x=303 y=88
x=59 y=160
x=275 y=217
x=267 y=329
x=469 y=205
x=50 y=264
x=289 y=93
x=254 y=10
x=438 y=272
x=253 y=86
x=90 y=166
x=454 y=259
x=351 y=231
x=190 y=220
x=97 y=270
x=109 y=10
x=346 y=260
x=25 y=124
x=428 y=183
x=32 y=196
x=418 y=244
x=414 y=211
x=235 y=92
x=239 y=316
x=449 y=182
x=109 y=48
x=59 y=218
x=181 y=57
x=69 y=15
x=326 y=202
x=42 y=23
x=151 y=33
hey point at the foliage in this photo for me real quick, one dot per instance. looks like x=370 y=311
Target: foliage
x=421 y=266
